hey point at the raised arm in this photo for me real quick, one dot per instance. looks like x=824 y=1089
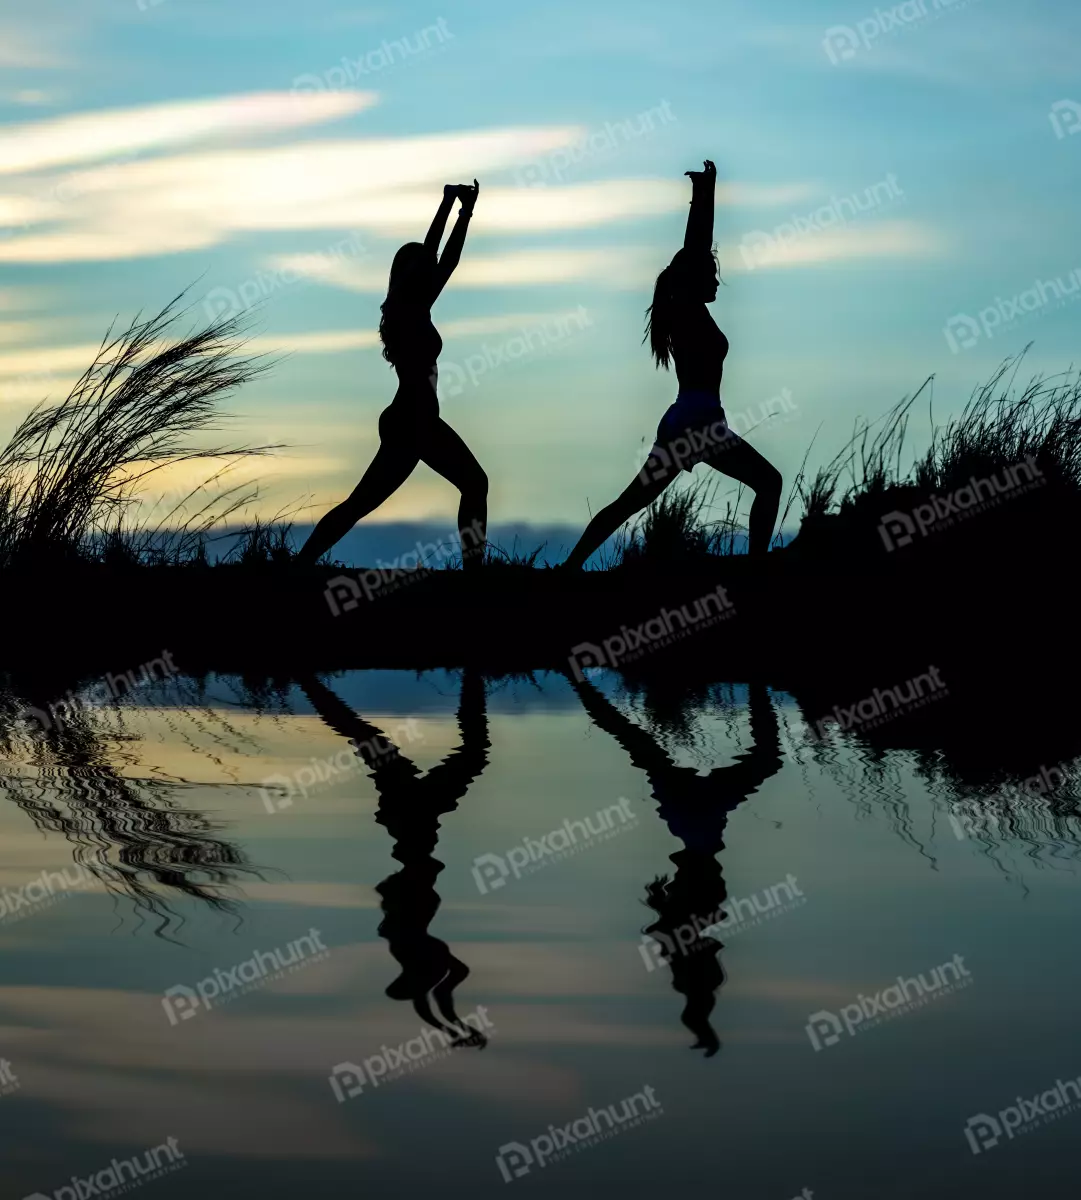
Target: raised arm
x=452 y=252
x=699 y=236
x=439 y=221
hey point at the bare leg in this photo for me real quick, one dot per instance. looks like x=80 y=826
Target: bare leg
x=390 y=468
x=445 y=452
x=740 y=460
x=654 y=477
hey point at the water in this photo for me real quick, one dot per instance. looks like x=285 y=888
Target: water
x=295 y=912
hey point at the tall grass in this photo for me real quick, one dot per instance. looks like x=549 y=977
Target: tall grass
x=72 y=471
x=678 y=528
x=1001 y=425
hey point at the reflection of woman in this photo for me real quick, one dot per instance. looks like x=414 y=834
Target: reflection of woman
x=410 y=806
x=695 y=808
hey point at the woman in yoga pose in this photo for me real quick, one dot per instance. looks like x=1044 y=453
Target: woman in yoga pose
x=694 y=429
x=411 y=429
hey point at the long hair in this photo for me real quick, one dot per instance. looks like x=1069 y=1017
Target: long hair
x=404 y=291
x=669 y=290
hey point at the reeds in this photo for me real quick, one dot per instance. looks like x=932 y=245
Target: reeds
x=676 y=528
x=72 y=470
x=1000 y=426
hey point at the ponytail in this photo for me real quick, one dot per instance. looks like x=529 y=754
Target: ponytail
x=661 y=316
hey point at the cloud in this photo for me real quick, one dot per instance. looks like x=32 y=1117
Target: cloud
x=24 y=49
x=94 y=136
x=619 y=267
x=73 y=190
x=336 y=341
x=880 y=239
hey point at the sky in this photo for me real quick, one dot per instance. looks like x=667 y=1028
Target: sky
x=897 y=198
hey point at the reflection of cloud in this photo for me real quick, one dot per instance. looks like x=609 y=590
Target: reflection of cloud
x=882 y=239
x=618 y=267
x=312 y=894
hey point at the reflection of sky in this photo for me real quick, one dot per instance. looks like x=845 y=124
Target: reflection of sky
x=554 y=958
x=143 y=147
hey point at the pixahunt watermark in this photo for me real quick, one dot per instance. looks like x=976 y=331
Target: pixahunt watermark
x=45 y=890
x=701 y=445
x=491 y=871
x=350 y=72
x=883 y=705
x=516 y=1159
x=696 y=444
x=281 y=791
x=906 y=995
x=1065 y=118
x=121 y=1175
x=593 y=146
x=224 y=302
x=983 y=815
x=734 y=916
x=964 y=331
x=984 y=1132
x=898 y=529
x=766 y=412
x=344 y=593
x=9 y=1081
x=95 y=695
x=348 y=1079
x=669 y=627
x=452 y=377
x=181 y=1002
x=843 y=42
x=761 y=248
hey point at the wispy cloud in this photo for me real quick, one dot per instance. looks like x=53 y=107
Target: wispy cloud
x=22 y=48
x=336 y=341
x=75 y=192
x=884 y=239
x=618 y=267
x=93 y=136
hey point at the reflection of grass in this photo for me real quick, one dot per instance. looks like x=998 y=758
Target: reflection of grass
x=72 y=470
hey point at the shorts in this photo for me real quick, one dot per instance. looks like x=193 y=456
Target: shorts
x=693 y=430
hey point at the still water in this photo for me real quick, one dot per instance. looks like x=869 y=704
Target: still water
x=412 y=934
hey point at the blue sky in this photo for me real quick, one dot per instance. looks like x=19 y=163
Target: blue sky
x=280 y=152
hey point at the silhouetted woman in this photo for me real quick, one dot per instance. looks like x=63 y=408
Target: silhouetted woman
x=694 y=428
x=411 y=429
x=695 y=808
x=410 y=805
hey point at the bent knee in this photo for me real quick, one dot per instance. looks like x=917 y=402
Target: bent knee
x=475 y=485
x=770 y=482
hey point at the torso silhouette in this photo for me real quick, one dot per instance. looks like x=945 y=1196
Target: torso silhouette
x=699 y=349
x=416 y=346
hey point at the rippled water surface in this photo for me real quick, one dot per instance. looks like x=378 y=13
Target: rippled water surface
x=416 y=933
